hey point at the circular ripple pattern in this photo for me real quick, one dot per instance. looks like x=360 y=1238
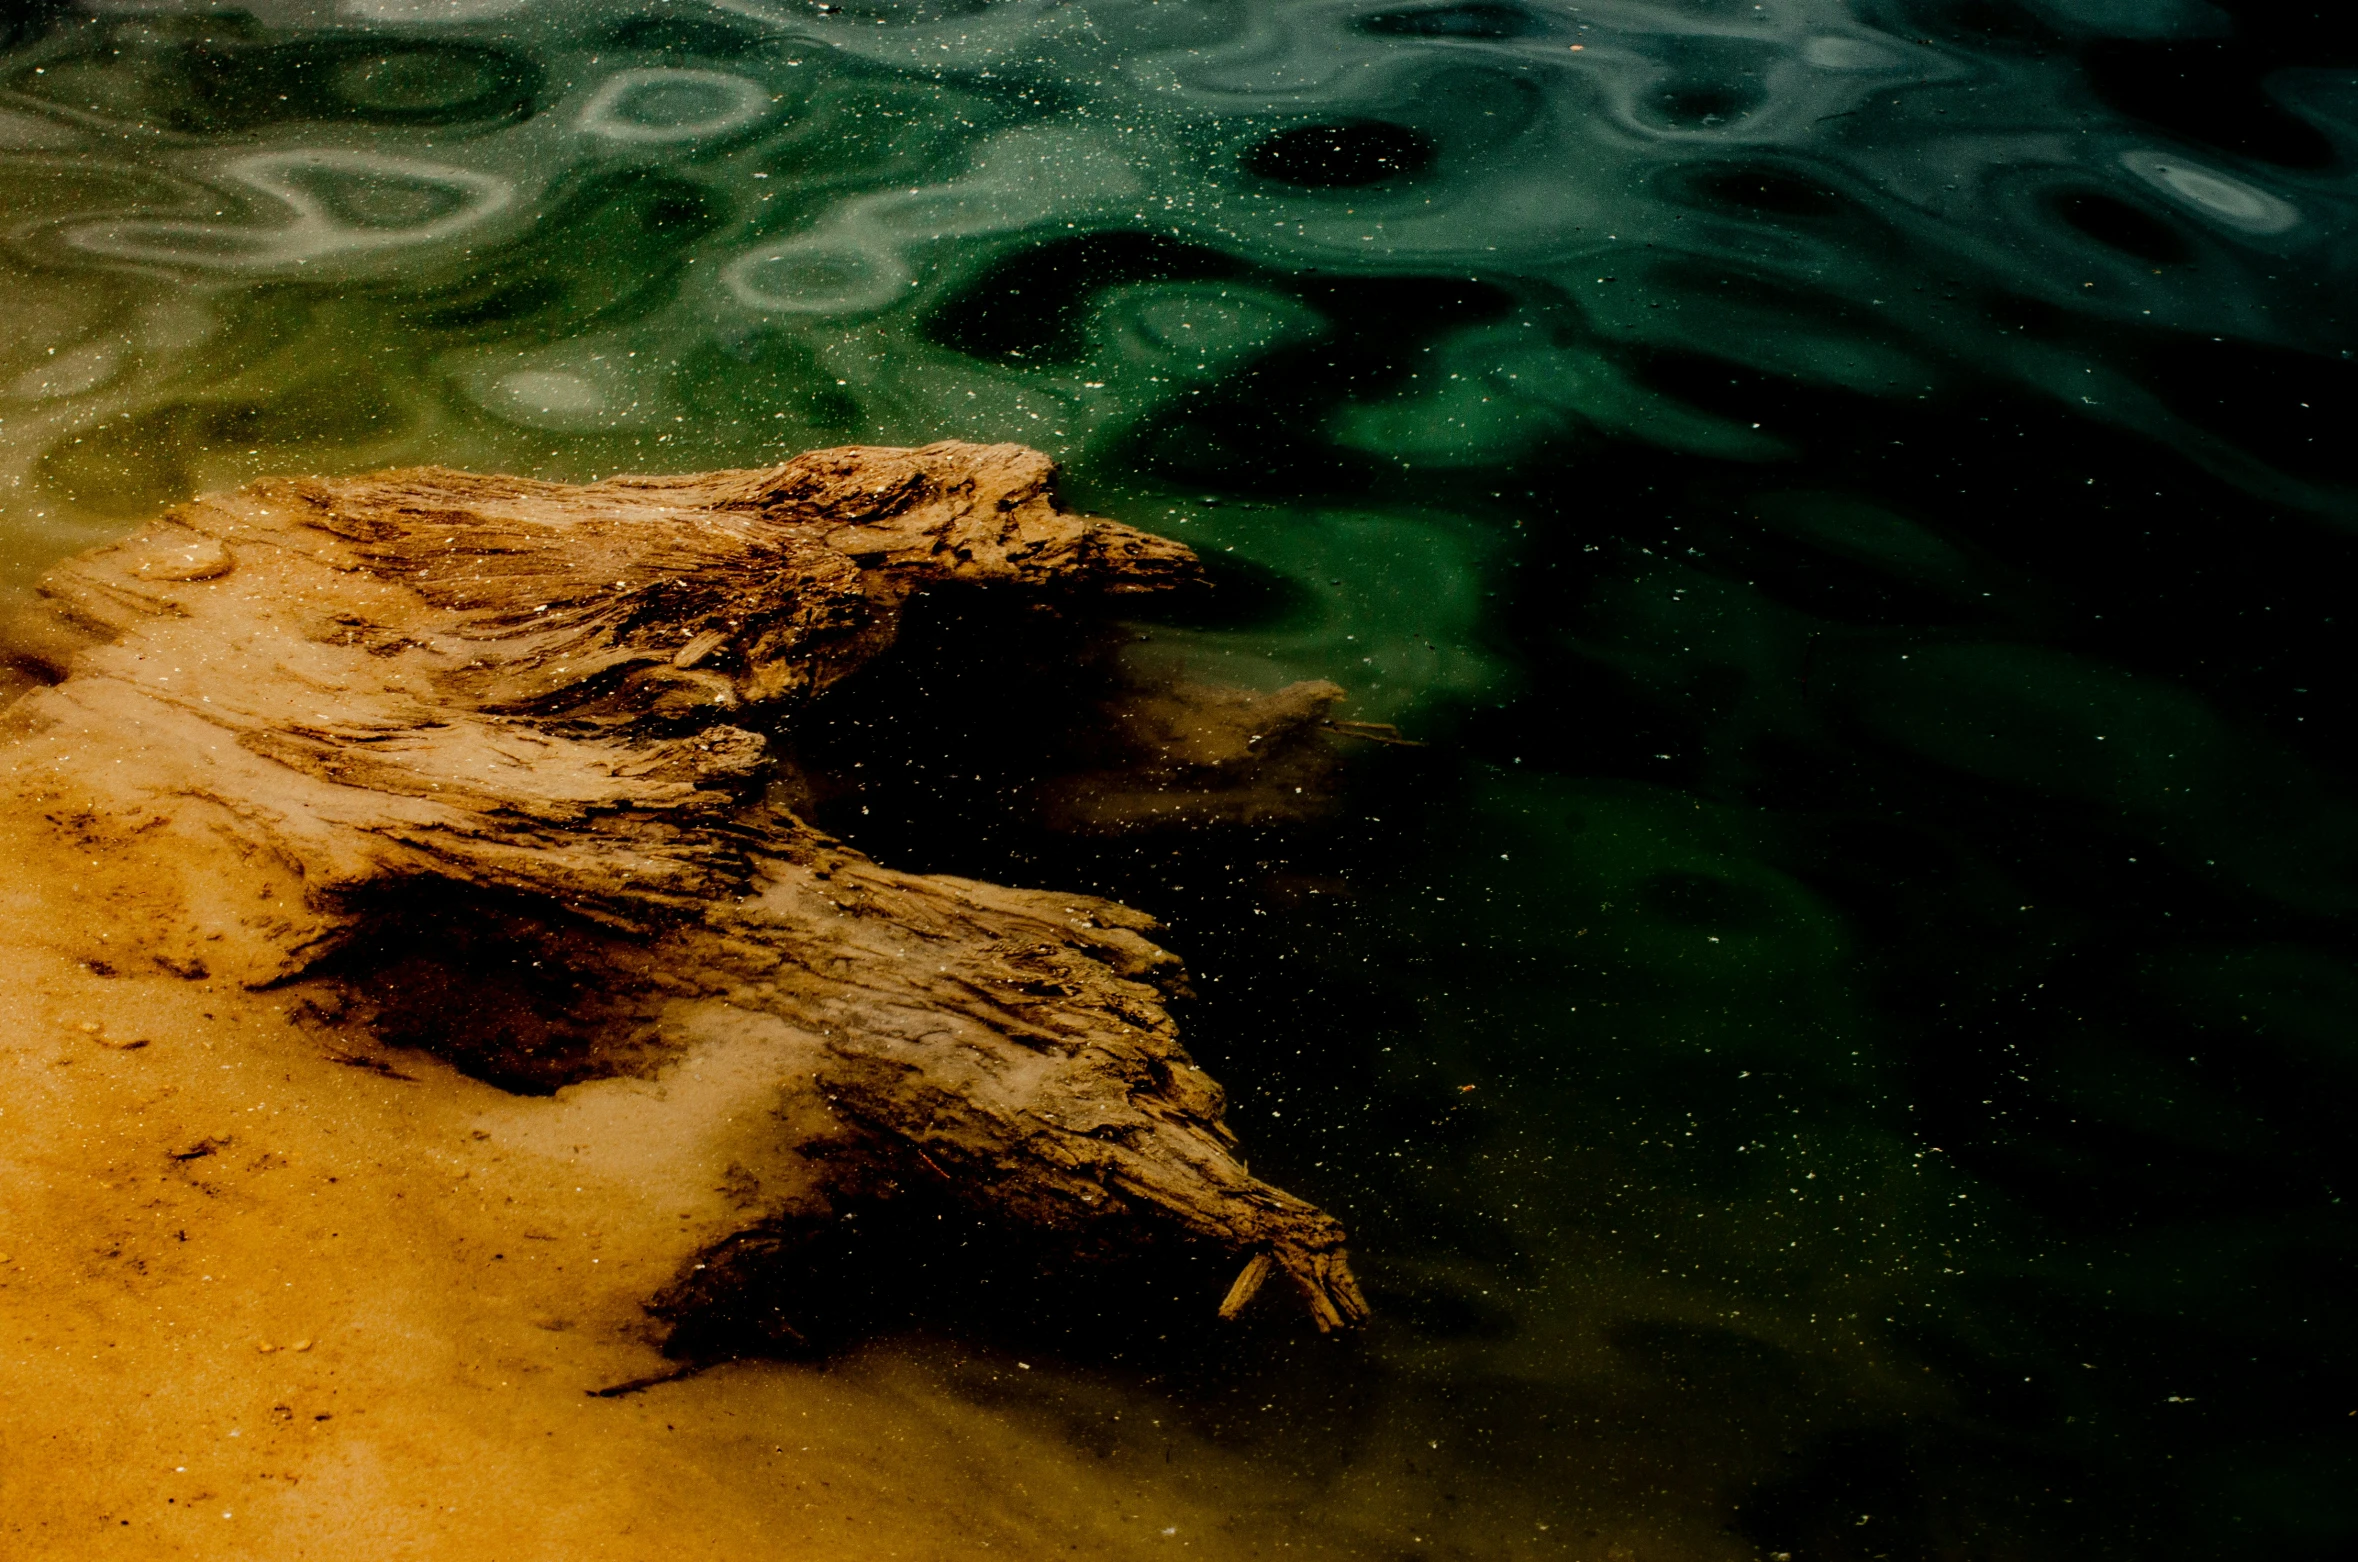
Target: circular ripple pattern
x=1838 y=1045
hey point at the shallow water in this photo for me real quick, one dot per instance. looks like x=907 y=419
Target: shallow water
x=1840 y=1044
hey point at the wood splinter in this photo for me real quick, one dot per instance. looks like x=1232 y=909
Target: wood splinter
x=1248 y=1285
x=306 y=699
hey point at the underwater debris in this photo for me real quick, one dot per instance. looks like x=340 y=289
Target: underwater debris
x=524 y=726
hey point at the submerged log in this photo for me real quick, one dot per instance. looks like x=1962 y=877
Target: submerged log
x=1189 y=756
x=389 y=706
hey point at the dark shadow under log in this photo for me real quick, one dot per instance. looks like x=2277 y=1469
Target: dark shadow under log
x=496 y=756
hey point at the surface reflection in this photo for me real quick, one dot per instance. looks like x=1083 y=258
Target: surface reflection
x=1837 y=1045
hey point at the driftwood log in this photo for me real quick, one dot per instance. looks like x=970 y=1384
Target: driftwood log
x=423 y=700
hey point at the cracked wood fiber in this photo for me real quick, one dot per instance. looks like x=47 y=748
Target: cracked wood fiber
x=427 y=682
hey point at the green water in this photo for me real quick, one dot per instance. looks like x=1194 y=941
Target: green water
x=1841 y=1044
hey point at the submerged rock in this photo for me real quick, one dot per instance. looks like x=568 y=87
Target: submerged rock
x=476 y=764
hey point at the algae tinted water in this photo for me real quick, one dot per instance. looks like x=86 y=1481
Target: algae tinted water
x=1840 y=1044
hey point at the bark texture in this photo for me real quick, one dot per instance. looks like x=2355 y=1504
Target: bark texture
x=425 y=688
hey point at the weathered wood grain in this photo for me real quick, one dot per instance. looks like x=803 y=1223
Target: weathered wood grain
x=426 y=687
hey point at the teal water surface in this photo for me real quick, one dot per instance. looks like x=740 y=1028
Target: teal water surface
x=1841 y=1044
